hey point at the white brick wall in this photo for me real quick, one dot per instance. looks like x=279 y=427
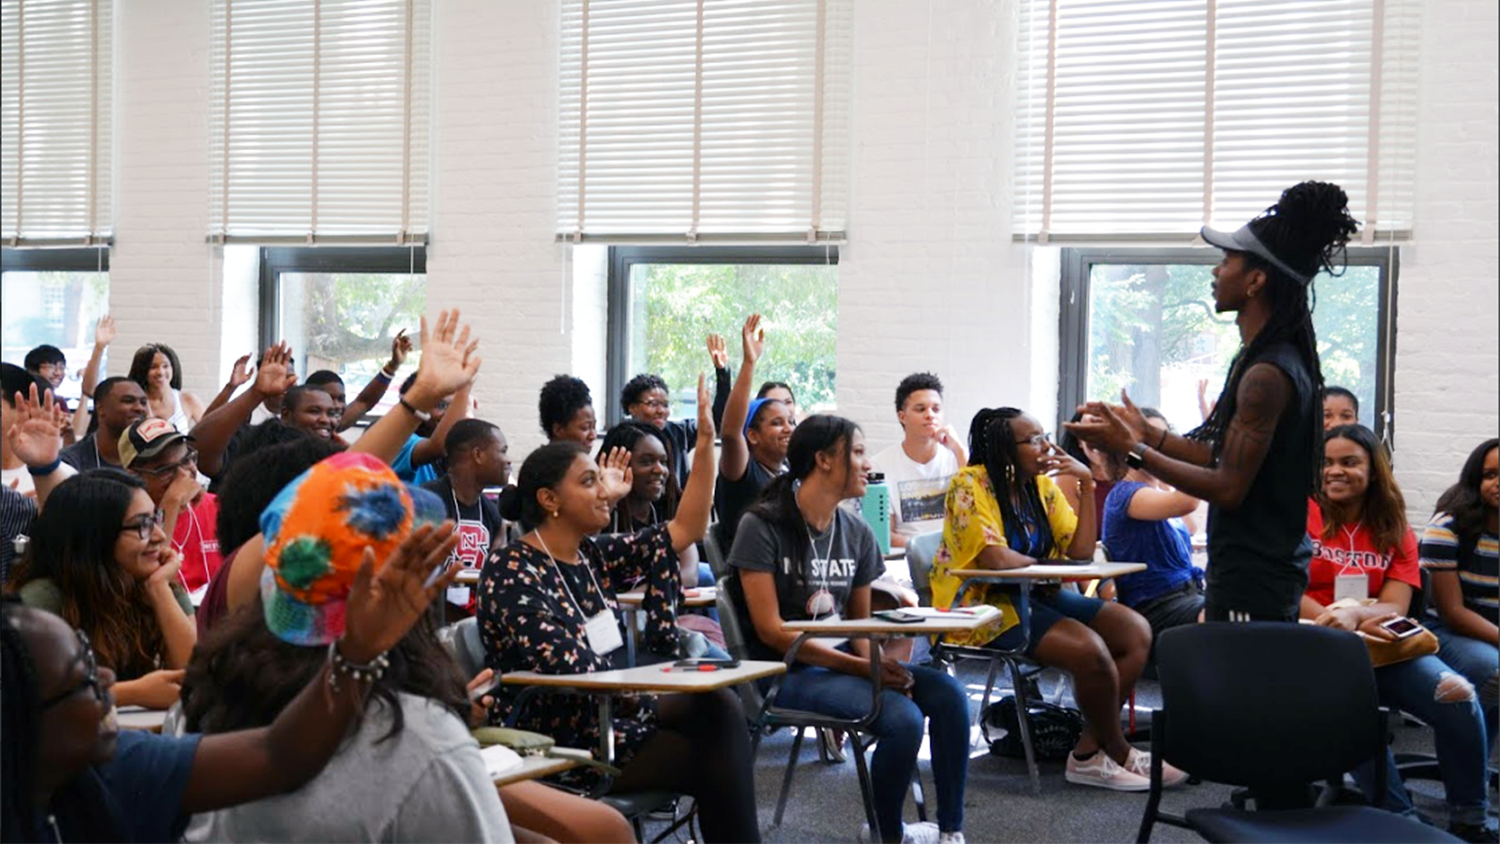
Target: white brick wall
x=929 y=280
x=1447 y=345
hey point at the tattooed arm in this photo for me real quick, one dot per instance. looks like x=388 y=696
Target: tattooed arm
x=1264 y=395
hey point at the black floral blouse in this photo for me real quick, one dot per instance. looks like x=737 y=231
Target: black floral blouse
x=527 y=622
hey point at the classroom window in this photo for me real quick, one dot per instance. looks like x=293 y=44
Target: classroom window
x=664 y=302
x=1144 y=320
x=54 y=296
x=339 y=308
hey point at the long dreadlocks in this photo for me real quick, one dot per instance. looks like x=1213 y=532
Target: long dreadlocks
x=1308 y=229
x=992 y=444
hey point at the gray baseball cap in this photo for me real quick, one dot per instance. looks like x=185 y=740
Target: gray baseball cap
x=1244 y=240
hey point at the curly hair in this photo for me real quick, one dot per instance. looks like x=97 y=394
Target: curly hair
x=914 y=382
x=631 y=393
x=560 y=400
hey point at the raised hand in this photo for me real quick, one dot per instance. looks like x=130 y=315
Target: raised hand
x=275 y=376
x=717 y=351
x=240 y=373
x=36 y=436
x=400 y=348
x=705 y=413
x=383 y=606
x=1103 y=428
x=104 y=331
x=614 y=472
x=753 y=338
x=449 y=357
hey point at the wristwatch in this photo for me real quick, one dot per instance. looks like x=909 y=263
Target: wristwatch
x=422 y=416
x=1135 y=458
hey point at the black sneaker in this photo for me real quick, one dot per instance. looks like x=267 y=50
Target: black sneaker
x=1478 y=833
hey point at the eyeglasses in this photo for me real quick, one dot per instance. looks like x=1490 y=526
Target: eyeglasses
x=161 y=473
x=1035 y=440
x=90 y=675
x=656 y=404
x=144 y=526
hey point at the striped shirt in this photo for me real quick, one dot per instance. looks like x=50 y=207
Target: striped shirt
x=17 y=512
x=1477 y=570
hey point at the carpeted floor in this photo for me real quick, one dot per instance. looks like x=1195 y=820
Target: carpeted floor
x=999 y=805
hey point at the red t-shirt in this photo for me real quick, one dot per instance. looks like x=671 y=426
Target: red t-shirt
x=1352 y=551
x=196 y=538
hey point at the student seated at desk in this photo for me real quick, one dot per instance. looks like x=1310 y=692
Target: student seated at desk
x=1005 y=511
x=546 y=604
x=1143 y=523
x=99 y=559
x=801 y=557
x=1363 y=547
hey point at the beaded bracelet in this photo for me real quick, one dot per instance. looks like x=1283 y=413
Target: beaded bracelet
x=366 y=673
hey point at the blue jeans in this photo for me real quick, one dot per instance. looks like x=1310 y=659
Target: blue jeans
x=1476 y=660
x=705 y=578
x=1458 y=734
x=935 y=697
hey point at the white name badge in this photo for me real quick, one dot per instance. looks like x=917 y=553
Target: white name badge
x=1355 y=587
x=603 y=633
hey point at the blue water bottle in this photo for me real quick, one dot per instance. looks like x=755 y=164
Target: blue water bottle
x=876 y=508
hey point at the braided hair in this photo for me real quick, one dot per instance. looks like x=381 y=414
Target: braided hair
x=992 y=444
x=1309 y=230
x=80 y=803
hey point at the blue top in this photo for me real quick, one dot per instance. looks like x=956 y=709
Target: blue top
x=426 y=473
x=1166 y=547
x=142 y=786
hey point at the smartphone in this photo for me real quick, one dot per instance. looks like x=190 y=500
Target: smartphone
x=480 y=693
x=897 y=616
x=696 y=662
x=1402 y=627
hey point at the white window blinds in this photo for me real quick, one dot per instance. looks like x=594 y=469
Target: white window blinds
x=56 y=73
x=1148 y=118
x=320 y=122
x=704 y=120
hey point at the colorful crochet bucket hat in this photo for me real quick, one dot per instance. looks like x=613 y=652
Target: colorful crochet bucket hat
x=316 y=531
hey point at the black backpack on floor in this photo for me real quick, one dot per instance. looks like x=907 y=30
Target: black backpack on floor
x=1055 y=730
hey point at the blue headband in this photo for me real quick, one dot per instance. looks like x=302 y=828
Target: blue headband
x=755 y=406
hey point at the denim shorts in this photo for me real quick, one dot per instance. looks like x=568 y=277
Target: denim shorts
x=1048 y=607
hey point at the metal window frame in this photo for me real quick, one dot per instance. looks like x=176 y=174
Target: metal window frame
x=1073 y=329
x=84 y=259
x=275 y=260
x=623 y=258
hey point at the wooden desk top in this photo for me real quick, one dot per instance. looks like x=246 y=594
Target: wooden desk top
x=466 y=577
x=1043 y=571
x=536 y=767
x=651 y=678
x=706 y=596
x=936 y=621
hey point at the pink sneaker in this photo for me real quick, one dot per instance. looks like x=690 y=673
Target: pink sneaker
x=1139 y=762
x=1100 y=771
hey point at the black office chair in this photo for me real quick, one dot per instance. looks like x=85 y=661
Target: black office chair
x=714 y=551
x=1272 y=707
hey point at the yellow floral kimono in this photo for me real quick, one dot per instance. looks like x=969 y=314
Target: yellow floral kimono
x=972 y=523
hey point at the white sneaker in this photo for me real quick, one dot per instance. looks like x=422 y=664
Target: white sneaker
x=925 y=832
x=951 y=838
x=1100 y=771
x=1139 y=762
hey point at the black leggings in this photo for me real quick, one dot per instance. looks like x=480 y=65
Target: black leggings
x=701 y=748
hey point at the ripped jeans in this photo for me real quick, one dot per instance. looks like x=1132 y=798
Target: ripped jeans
x=1427 y=688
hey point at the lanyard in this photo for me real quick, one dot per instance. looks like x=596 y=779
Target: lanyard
x=564 y=580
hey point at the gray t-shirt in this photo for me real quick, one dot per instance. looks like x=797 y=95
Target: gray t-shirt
x=427 y=783
x=814 y=572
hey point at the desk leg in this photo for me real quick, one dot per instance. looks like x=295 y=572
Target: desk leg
x=606 y=729
x=865 y=785
x=629 y=612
